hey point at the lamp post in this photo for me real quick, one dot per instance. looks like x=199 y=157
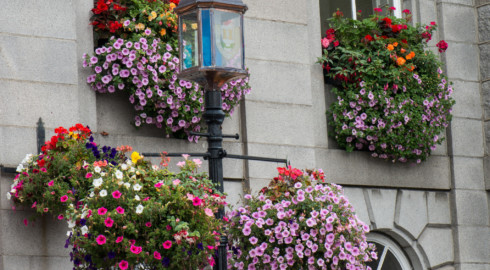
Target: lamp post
x=211 y=51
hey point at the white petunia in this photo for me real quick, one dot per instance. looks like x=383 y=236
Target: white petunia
x=124 y=167
x=119 y=175
x=103 y=193
x=92 y=194
x=136 y=197
x=20 y=168
x=8 y=195
x=97 y=169
x=127 y=185
x=139 y=209
x=102 y=174
x=137 y=187
x=84 y=229
x=98 y=182
x=71 y=223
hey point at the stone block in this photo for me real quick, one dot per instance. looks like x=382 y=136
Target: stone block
x=16 y=143
x=486 y=161
x=411 y=212
x=6 y=181
x=20 y=59
x=360 y=169
x=382 y=203
x=484 y=23
x=19 y=239
x=473 y=266
x=35 y=262
x=467 y=137
x=468 y=173
x=481 y=2
x=357 y=200
x=270 y=40
x=485 y=89
x=485 y=61
x=299 y=157
x=460 y=61
x=280 y=123
x=460 y=2
x=234 y=189
x=56 y=103
x=473 y=244
x=438 y=245
x=277 y=10
x=471 y=207
x=458 y=23
x=438 y=210
x=468 y=100
x=427 y=12
x=289 y=83
x=256 y=184
x=50 y=18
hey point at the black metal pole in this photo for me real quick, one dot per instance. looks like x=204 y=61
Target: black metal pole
x=214 y=116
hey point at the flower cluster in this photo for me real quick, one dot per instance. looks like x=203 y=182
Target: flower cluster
x=123 y=213
x=392 y=96
x=143 y=61
x=311 y=227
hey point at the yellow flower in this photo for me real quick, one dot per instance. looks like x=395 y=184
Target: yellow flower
x=152 y=16
x=140 y=26
x=194 y=26
x=162 y=15
x=172 y=6
x=135 y=156
x=163 y=32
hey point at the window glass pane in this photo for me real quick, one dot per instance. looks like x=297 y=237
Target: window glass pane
x=379 y=250
x=190 y=40
x=228 y=38
x=391 y=263
x=207 y=54
x=366 y=7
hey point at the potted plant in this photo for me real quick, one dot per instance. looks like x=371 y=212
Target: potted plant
x=392 y=98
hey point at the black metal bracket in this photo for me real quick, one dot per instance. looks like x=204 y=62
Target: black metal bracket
x=235 y=136
x=40 y=138
x=224 y=155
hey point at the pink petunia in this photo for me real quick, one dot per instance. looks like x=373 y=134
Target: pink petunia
x=64 y=198
x=116 y=194
x=108 y=222
x=208 y=212
x=51 y=183
x=119 y=239
x=196 y=201
x=88 y=175
x=158 y=185
x=167 y=244
x=60 y=217
x=100 y=239
x=123 y=265
x=148 y=224
x=102 y=211
x=157 y=255
x=135 y=249
x=176 y=182
x=120 y=210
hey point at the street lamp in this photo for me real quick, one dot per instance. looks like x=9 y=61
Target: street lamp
x=211 y=51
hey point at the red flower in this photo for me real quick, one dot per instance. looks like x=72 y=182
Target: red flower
x=118 y=7
x=393 y=8
x=336 y=43
x=442 y=45
x=406 y=11
x=368 y=38
x=378 y=10
x=432 y=23
x=427 y=36
x=113 y=26
x=176 y=2
x=387 y=21
x=101 y=7
x=396 y=28
x=404 y=41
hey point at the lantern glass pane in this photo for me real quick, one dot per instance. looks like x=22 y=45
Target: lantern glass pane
x=207 y=54
x=190 y=42
x=228 y=39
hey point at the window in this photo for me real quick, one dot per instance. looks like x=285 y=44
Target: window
x=351 y=7
x=390 y=255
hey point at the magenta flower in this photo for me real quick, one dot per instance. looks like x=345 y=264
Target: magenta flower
x=167 y=244
x=88 y=175
x=102 y=211
x=120 y=210
x=116 y=194
x=108 y=222
x=64 y=198
x=135 y=249
x=157 y=255
x=101 y=239
x=123 y=265
x=51 y=183
x=148 y=224
x=119 y=239
x=196 y=201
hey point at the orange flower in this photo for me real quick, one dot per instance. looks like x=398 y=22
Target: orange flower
x=400 y=61
x=410 y=55
x=395 y=44
x=402 y=50
x=390 y=47
x=163 y=32
x=411 y=68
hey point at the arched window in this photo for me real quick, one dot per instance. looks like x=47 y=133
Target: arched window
x=390 y=255
x=350 y=8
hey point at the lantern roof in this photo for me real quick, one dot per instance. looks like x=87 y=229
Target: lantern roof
x=185 y=5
